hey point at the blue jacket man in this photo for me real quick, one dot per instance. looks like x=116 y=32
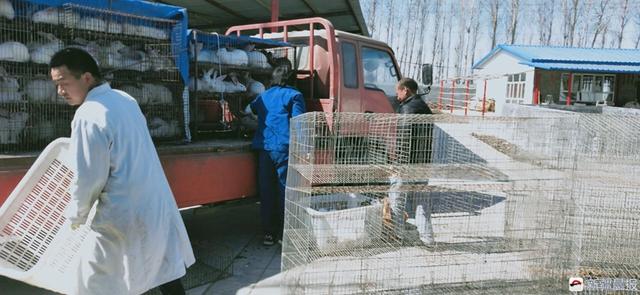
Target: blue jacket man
x=274 y=107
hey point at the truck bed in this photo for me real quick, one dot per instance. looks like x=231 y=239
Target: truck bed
x=199 y=173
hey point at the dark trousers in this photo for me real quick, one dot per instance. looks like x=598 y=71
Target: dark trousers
x=172 y=288
x=272 y=178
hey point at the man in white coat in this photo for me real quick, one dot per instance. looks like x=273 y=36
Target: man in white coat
x=137 y=239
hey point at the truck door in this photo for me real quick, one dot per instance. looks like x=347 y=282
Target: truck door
x=379 y=77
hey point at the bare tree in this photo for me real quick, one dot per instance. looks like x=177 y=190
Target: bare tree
x=494 y=6
x=585 y=28
x=514 y=11
x=472 y=33
x=637 y=22
x=372 y=18
x=624 y=13
x=461 y=19
x=545 y=11
x=436 y=37
x=570 y=10
x=602 y=20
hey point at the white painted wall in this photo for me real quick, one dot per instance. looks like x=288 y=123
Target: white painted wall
x=496 y=70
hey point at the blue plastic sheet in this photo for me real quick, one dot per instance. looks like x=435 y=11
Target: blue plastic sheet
x=215 y=41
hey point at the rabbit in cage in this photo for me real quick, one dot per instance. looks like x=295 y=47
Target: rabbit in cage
x=110 y=57
x=41 y=52
x=216 y=83
x=253 y=86
x=159 y=127
x=136 y=93
x=14 y=51
x=234 y=85
x=11 y=125
x=202 y=84
x=92 y=47
x=156 y=94
x=55 y=16
x=6 y=10
x=41 y=90
x=151 y=32
x=256 y=58
x=231 y=56
x=9 y=87
x=159 y=62
x=92 y=24
x=134 y=59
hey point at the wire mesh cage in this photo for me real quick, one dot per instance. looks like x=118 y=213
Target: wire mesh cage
x=227 y=73
x=441 y=204
x=136 y=53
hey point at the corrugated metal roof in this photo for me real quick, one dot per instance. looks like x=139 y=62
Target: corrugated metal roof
x=605 y=60
x=590 y=68
x=218 y=15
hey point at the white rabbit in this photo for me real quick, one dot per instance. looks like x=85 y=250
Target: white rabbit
x=130 y=29
x=91 y=47
x=207 y=55
x=232 y=56
x=41 y=52
x=159 y=127
x=157 y=94
x=257 y=59
x=14 y=51
x=9 y=87
x=202 y=84
x=151 y=32
x=49 y=15
x=136 y=93
x=6 y=9
x=12 y=125
x=216 y=83
x=114 y=27
x=41 y=90
x=159 y=62
x=92 y=24
x=110 y=56
x=234 y=85
x=254 y=86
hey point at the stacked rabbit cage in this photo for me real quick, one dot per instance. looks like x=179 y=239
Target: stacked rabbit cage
x=420 y=204
x=137 y=53
x=226 y=74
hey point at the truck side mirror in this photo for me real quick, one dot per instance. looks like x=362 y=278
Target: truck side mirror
x=427 y=74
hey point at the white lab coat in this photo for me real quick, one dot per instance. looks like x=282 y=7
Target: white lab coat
x=137 y=239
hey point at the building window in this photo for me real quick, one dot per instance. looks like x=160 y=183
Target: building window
x=515 y=88
x=587 y=88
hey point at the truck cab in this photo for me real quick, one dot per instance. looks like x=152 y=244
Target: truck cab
x=336 y=71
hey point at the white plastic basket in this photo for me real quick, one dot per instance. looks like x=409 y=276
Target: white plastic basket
x=37 y=245
x=341 y=220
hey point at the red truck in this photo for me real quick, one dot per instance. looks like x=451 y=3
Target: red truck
x=337 y=72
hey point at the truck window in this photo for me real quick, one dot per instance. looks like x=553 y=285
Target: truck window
x=349 y=65
x=379 y=70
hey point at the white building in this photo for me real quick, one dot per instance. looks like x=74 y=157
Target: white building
x=559 y=75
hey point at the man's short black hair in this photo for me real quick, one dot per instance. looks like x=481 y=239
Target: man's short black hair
x=77 y=61
x=409 y=83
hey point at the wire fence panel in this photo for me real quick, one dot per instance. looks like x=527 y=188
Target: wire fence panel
x=419 y=204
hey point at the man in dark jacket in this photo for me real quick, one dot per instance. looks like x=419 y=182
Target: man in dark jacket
x=417 y=205
x=409 y=101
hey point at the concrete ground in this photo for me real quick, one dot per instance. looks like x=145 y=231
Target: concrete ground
x=227 y=241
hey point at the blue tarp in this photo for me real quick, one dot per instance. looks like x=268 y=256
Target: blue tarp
x=147 y=9
x=214 y=41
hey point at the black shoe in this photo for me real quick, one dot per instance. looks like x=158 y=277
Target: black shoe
x=268 y=240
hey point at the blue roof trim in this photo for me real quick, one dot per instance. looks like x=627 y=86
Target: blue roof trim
x=586 y=68
x=580 y=58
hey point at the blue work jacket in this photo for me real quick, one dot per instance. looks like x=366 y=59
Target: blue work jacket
x=275 y=107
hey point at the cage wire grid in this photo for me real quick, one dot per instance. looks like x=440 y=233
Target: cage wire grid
x=402 y=204
x=136 y=54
